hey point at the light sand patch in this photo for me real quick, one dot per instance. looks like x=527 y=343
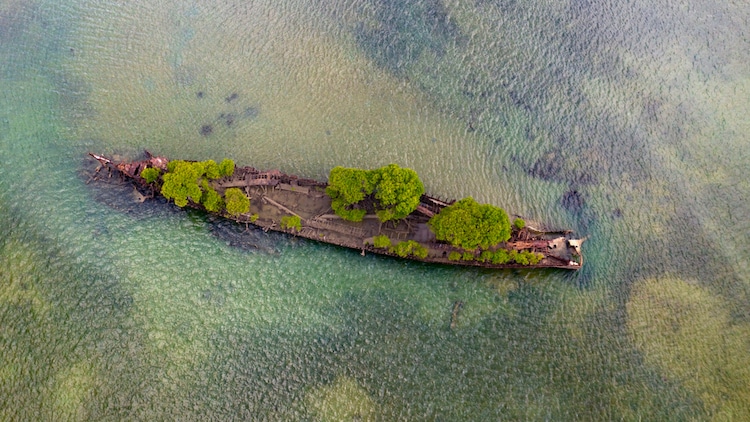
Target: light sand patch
x=688 y=334
x=343 y=400
x=18 y=285
x=73 y=389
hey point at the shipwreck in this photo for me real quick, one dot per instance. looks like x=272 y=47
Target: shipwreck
x=383 y=211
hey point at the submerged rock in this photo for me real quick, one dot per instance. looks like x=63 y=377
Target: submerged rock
x=548 y=167
x=573 y=201
x=251 y=112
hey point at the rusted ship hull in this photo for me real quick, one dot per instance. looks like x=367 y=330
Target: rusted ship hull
x=274 y=194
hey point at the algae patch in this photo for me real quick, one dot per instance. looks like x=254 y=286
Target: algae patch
x=688 y=333
x=18 y=288
x=343 y=400
x=74 y=388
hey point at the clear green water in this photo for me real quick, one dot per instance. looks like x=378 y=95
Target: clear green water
x=113 y=310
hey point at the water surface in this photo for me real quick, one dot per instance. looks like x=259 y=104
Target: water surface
x=623 y=121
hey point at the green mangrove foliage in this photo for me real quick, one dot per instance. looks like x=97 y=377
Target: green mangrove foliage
x=499 y=257
x=402 y=249
x=189 y=180
x=151 y=174
x=226 y=168
x=181 y=182
x=503 y=256
x=469 y=225
x=381 y=241
x=519 y=223
x=211 y=199
x=397 y=192
x=291 y=222
x=526 y=257
x=347 y=187
x=409 y=247
x=223 y=169
x=393 y=191
x=236 y=201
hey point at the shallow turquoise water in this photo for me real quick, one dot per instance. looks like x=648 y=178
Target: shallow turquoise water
x=625 y=122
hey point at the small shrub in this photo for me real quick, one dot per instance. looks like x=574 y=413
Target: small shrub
x=524 y=257
x=409 y=247
x=184 y=179
x=291 y=222
x=468 y=256
x=454 y=256
x=467 y=224
x=420 y=252
x=486 y=256
x=519 y=223
x=520 y=257
x=151 y=174
x=535 y=257
x=402 y=249
x=254 y=218
x=381 y=241
x=500 y=256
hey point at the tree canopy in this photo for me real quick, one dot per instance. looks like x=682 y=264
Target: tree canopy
x=215 y=171
x=394 y=192
x=347 y=187
x=189 y=180
x=397 y=191
x=237 y=202
x=181 y=182
x=211 y=199
x=226 y=168
x=468 y=225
